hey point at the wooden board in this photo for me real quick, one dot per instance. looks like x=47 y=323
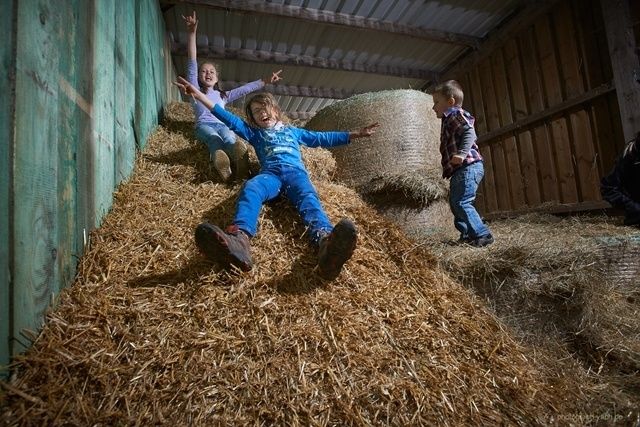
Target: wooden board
x=125 y=85
x=624 y=61
x=529 y=167
x=7 y=70
x=514 y=173
x=35 y=214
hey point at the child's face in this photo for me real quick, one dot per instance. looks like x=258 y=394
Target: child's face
x=208 y=75
x=441 y=104
x=263 y=115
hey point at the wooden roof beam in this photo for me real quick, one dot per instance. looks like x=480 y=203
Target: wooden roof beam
x=302 y=91
x=331 y=18
x=270 y=57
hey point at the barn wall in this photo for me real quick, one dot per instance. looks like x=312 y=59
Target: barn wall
x=90 y=79
x=547 y=115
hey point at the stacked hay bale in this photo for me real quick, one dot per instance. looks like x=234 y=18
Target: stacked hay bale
x=398 y=168
x=152 y=333
x=611 y=319
x=568 y=285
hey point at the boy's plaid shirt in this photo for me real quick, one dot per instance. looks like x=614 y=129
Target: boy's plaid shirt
x=453 y=123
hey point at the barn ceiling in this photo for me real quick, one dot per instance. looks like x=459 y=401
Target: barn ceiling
x=332 y=49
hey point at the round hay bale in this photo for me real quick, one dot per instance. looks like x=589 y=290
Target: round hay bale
x=419 y=222
x=407 y=139
x=416 y=200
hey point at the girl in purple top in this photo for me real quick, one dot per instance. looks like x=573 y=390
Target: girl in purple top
x=208 y=129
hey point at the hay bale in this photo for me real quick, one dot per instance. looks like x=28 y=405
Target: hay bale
x=563 y=287
x=419 y=222
x=612 y=306
x=416 y=201
x=398 y=168
x=407 y=140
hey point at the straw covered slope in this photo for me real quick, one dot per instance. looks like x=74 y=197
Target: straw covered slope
x=152 y=333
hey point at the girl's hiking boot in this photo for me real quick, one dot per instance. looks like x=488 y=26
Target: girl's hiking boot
x=222 y=165
x=230 y=247
x=336 y=248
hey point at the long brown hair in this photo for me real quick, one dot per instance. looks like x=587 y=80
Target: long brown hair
x=266 y=100
x=204 y=89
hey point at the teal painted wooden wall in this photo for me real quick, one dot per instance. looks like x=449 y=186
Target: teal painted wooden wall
x=6 y=91
x=90 y=79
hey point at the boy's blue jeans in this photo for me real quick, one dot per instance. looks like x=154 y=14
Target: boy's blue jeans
x=216 y=136
x=294 y=183
x=462 y=193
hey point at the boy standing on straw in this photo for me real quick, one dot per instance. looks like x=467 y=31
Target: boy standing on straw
x=282 y=171
x=621 y=187
x=461 y=162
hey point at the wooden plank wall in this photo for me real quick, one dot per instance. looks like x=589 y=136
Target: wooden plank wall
x=546 y=113
x=6 y=132
x=91 y=79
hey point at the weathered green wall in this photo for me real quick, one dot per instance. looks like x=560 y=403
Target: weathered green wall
x=6 y=91
x=91 y=78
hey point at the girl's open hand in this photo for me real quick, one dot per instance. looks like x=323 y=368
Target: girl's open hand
x=369 y=130
x=186 y=88
x=365 y=131
x=191 y=21
x=275 y=77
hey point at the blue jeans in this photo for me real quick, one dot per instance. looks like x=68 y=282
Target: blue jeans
x=294 y=183
x=462 y=193
x=216 y=136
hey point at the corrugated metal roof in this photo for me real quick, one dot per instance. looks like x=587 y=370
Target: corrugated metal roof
x=250 y=39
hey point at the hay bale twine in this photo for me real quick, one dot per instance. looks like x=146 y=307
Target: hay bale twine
x=407 y=139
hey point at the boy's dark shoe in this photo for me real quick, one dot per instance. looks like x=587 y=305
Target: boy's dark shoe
x=227 y=248
x=336 y=248
x=479 y=242
x=222 y=165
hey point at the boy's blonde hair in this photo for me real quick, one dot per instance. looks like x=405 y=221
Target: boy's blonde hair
x=451 y=89
x=266 y=100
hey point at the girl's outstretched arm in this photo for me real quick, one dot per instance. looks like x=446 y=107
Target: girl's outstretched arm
x=192 y=26
x=189 y=89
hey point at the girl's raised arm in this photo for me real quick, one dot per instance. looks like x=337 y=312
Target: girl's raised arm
x=192 y=26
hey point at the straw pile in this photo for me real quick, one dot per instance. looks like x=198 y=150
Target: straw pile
x=566 y=285
x=152 y=333
x=398 y=168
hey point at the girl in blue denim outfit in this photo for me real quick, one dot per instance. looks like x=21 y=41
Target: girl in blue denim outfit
x=282 y=171
x=461 y=162
x=209 y=130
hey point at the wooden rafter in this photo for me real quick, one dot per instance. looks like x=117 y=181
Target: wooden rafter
x=302 y=91
x=271 y=57
x=331 y=18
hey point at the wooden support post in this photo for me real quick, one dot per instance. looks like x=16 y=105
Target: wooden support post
x=624 y=62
